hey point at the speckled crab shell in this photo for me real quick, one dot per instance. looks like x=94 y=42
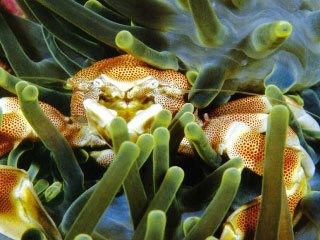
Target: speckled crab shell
x=125 y=77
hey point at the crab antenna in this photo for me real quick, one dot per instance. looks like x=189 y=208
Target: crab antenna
x=266 y=38
x=211 y=31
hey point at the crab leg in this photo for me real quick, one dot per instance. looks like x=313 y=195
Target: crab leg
x=240 y=140
x=241 y=224
x=20 y=208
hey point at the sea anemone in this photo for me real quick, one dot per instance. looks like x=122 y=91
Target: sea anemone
x=227 y=49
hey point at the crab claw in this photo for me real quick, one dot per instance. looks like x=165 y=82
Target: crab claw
x=15 y=127
x=237 y=129
x=241 y=135
x=306 y=121
x=249 y=145
x=104 y=157
x=99 y=117
x=20 y=208
x=261 y=104
x=241 y=224
x=253 y=112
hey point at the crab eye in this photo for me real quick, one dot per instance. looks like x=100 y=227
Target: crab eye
x=98 y=83
x=153 y=84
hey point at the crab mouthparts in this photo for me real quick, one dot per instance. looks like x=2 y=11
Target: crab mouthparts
x=131 y=100
x=99 y=118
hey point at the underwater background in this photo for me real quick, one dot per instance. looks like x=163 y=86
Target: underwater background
x=221 y=51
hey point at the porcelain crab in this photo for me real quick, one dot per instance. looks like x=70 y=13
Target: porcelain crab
x=127 y=87
x=122 y=86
